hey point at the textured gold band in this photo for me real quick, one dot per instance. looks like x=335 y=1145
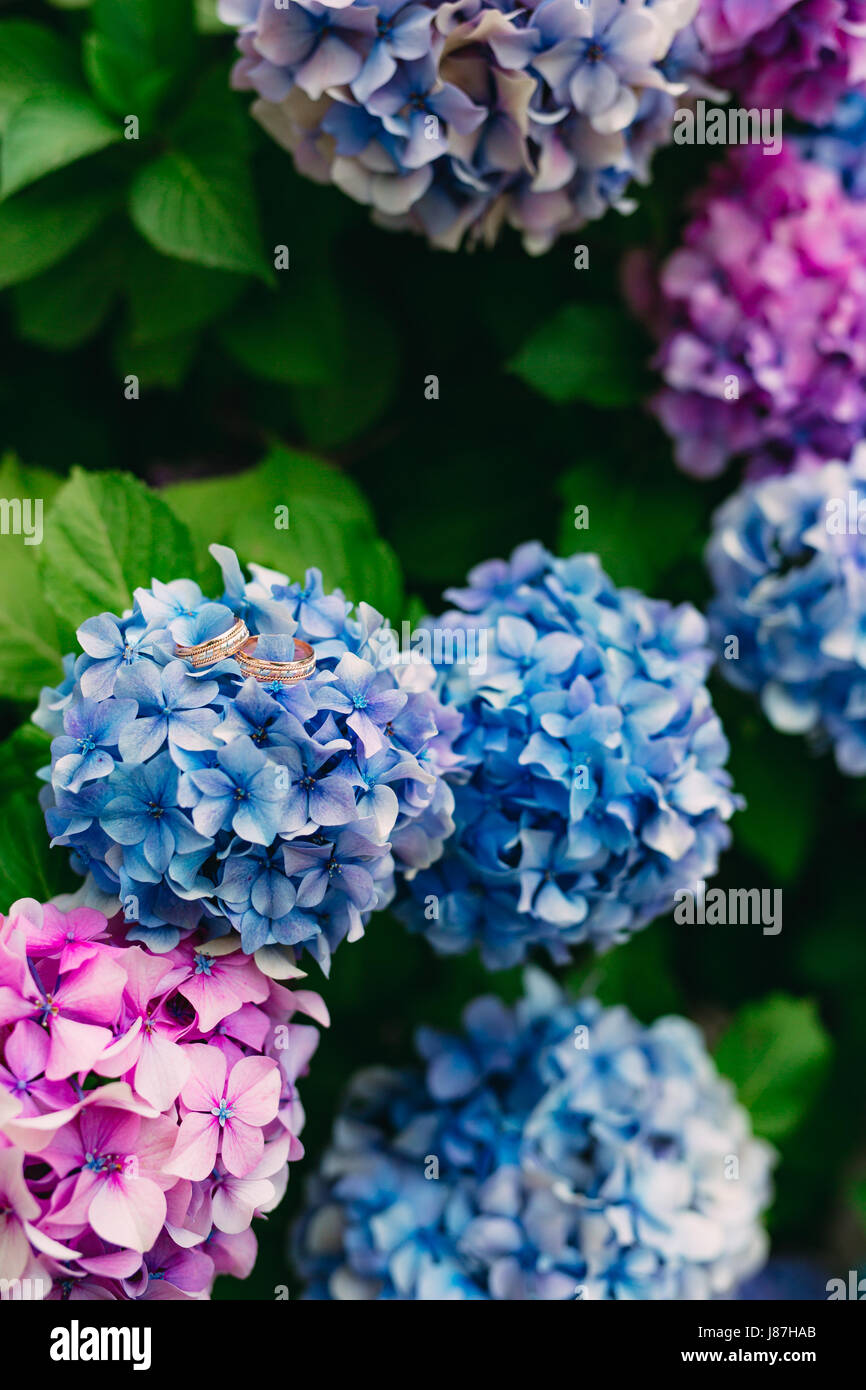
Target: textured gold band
x=279 y=672
x=218 y=648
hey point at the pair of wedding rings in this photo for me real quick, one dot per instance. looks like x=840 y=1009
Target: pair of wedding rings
x=237 y=642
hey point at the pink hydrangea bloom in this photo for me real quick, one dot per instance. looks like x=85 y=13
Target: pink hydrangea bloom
x=760 y=317
x=148 y=1106
x=800 y=55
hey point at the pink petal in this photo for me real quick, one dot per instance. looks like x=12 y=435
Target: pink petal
x=206 y=1084
x=212 y=997
x=195 y=1149
x=128 y=1212
x=162 y=1071
x=235 y=1200
x=253 y=1089
x=94 y=989
x=242 y=1147
x=123 y=1053
x=27 y=1050
x=311 y=1004
x=74 y=1047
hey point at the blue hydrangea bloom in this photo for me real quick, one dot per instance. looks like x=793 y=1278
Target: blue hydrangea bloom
x=841 y=145
x=453 y=120
x=592 y=785
x=787 y=557
x=556 y=1150
x=202 y=799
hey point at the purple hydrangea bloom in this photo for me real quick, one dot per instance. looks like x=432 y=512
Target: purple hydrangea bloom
x=592 y=783
x=760 y=317
x=554 y=1151
x=452 y=120
x=802 y=55
x=201 y=799
x=787 y=557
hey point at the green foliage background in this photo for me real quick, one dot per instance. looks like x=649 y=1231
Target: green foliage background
x=304 y=388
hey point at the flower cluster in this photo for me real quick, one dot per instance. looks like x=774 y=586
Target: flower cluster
x=553 y=1151
x=592 y=782
x=788 y=561
x=799 y=55
x=454 y=119
x=198 y=797
x=761 y=318
x=148 y=1107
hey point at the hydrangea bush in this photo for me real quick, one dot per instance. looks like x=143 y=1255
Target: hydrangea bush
x=591 y=785
x=787 y=557
x=760 y=318
x=800 y=55
x=454 y=119
x=554 y=1151
x=201 y=799
x=148 y=1106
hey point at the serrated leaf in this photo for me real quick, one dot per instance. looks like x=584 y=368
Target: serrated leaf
x=775 y=1052
x=585 y=352
x=32 y=59
x=32 y=638
x=106 y=534
x=49 y=132
x=199 y=207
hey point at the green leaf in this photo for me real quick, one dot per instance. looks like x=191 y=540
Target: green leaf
x=776 y=1052
x=66 y=305
x=776 y=827
x=32 y=59
x=43 y=224
x=169 y=298
x=624 y=524
x=584 y=352
x=48 y=132
x=32 y=639
x=330 y=525
x=199 y=207
x=28 y=868
x=22 y=755
x=119 y=80
x=294 y=336
x=105 y=535
x=160 y=32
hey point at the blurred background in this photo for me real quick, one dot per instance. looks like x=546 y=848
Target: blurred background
x=305 y=387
